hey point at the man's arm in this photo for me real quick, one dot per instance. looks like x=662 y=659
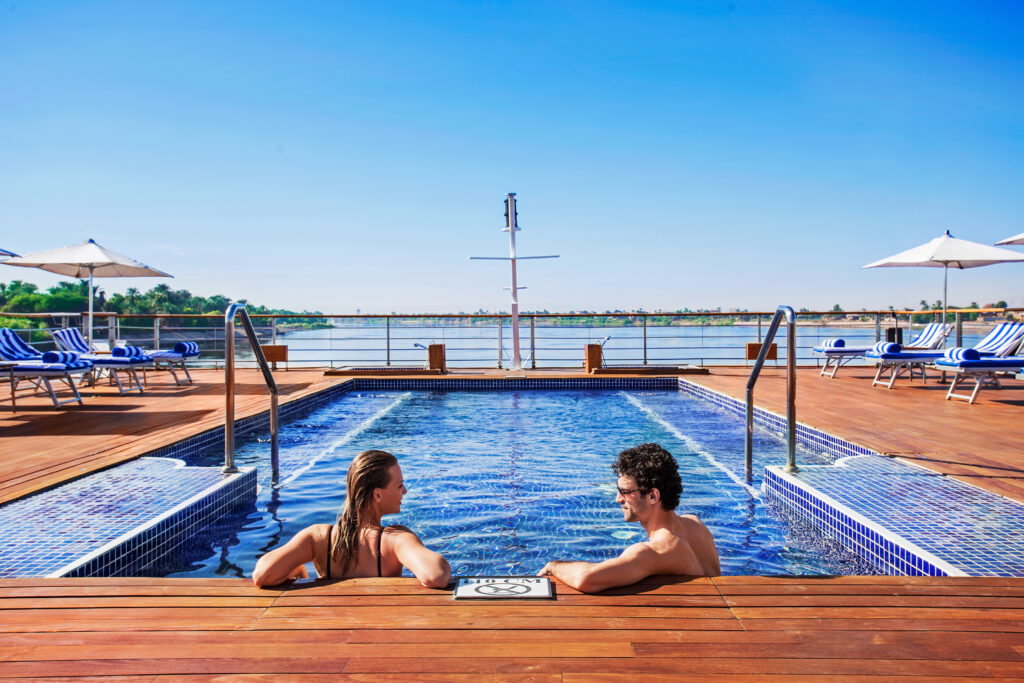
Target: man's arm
x=637 y=562
x=430 y=568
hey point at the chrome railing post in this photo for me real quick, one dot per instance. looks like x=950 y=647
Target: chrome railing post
x=229 y=389
x=273 y=330
x=959 y=329
x=387 y=336
x=500 y=344
x=533 y=342
x=878 y=328
x=156 y=333
x=645 y=338
x=748 y=444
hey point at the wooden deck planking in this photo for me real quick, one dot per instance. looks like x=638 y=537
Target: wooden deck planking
x=43 y=447
x=207 y=627
x=979 y=444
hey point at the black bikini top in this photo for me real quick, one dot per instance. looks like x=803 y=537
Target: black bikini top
x=380 y=535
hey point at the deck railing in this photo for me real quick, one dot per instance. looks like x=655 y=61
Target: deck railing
x=548 y=339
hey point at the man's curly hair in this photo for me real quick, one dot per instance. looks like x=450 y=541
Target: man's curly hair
x=653 y=468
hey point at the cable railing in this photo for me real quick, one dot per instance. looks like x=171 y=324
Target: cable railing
x=548 y=340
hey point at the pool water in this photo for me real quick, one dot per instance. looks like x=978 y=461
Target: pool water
x=502 y=482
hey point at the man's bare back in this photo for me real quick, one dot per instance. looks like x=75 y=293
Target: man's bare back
x=686 y=547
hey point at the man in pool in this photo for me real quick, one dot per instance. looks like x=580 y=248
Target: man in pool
x=648 y=492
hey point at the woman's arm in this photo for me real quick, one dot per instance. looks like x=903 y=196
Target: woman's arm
x=431 y=569
x=288 y=561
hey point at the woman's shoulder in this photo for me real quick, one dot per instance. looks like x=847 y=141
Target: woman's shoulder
x=398 y=529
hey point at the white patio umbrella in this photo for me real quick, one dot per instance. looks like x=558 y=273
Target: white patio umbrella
x=948 y=252
x=86 y=260
x=1016 y=239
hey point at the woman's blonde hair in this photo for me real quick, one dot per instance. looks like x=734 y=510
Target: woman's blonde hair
x=369 y=470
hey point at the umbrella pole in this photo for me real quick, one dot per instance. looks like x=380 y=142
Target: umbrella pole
x=945 y=287
x=89 y=338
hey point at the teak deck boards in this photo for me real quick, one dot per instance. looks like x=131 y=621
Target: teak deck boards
x=728 y=627
x=982 y=444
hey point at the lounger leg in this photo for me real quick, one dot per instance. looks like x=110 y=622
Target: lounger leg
x=53 y=394
x=134 y=375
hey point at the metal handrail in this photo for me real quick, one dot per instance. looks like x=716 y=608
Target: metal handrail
x=229 y=388
x=748 y=445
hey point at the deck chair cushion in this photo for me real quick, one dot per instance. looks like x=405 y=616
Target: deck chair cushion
x=128 y=352
x=886 y=347
x=65 y=357
x=959 y=353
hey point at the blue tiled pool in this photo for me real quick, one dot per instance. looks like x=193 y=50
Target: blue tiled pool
x=502 y=481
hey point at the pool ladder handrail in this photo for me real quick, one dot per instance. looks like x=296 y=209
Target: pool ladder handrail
x=748 y=445
x=229 y=388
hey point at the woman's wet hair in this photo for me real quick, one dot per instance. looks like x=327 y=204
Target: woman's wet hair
x=369 y=470
x=653 y=468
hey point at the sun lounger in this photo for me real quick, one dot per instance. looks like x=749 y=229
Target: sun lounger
x=1001 y=341
x=968 y=364
x=39 y=368
x=175 y=358
x=837 y=353
x=128 y=361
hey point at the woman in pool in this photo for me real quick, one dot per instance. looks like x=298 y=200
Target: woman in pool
x=357 y=545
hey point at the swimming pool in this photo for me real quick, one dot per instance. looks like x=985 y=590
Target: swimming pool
x=502 y=482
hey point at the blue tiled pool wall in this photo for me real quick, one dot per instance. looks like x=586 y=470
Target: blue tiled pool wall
x=886 y=551
x=163 y=536
x=829 y=447
x=882 y=550
x=212 y=439
x=516 y=384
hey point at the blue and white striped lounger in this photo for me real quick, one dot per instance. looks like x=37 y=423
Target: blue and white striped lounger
x=892 y=358
x=1001 y=341
x=837 y=354
x=39 y=368
x=931 y=337
x=176 y=357
x=968 y=364
x=130 y=359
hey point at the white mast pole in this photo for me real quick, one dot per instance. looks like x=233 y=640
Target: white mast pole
x=511 y=228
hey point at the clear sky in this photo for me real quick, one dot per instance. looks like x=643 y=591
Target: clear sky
x=342 y=156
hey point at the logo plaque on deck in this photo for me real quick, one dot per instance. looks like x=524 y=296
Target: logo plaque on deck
x=502 y=587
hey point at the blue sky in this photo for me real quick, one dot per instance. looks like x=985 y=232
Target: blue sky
x=344 y=156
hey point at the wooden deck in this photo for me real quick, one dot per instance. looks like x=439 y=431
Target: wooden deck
x=876 y=628
x=43 y=446
x=728 y=628
x=980 y=444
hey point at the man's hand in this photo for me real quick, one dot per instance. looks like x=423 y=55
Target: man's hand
x=635 y=563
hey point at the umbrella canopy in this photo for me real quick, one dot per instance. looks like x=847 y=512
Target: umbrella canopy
x=948 y=252
x=86 y=260
x=1016 y=239
x=4 y=254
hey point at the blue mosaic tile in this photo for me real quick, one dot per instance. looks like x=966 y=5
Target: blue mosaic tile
x=904 y=519
x=115 y=522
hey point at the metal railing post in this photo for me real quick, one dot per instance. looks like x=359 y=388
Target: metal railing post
x=229 y=392
x=645 y=339
x=500 y=343
x=387 y=332
x=878 y=328
x=229 y=389
x=533 y=342
x=111 y=332
x=748 y=444
x=959 y=329
x=156 y=333
x=273 y=330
